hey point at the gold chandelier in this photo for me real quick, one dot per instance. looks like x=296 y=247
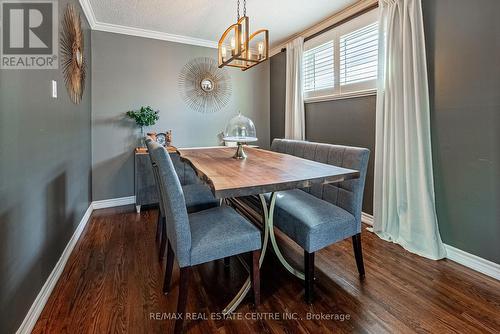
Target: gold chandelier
x=237 y=48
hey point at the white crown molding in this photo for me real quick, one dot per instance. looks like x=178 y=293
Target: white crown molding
x=335 y=18
x=119 y=29
x=124 y=30
x=44 y=294
x=89 y=13
x=139 y=32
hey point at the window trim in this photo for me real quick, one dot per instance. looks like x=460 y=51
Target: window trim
x=366 y=88
x=333 y=97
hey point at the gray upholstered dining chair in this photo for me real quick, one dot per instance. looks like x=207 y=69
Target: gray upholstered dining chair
x=201 y=237
x=198 y=197
x=323 y=214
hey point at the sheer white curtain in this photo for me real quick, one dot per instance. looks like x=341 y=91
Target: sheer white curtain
x=294 y=104
x=404 y=205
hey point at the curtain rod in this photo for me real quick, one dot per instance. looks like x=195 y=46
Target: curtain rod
x=347 y=19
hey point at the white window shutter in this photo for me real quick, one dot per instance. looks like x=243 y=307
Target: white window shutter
x=342 y=62
x=359 y=56
x=319 y=68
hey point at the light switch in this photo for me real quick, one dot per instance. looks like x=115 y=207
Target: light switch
x=54 y=89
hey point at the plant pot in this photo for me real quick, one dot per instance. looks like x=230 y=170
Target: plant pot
x=142 y=141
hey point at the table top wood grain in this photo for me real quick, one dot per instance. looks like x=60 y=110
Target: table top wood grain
x=144 y=150
x=263 y=171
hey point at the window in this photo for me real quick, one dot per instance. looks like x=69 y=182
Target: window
x=318 y=67
x=358 y=55
x=343 y=61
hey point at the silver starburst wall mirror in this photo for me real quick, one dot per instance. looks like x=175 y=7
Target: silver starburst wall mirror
x=204 y=86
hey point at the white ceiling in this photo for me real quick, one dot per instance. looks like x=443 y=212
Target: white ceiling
x=208 y=19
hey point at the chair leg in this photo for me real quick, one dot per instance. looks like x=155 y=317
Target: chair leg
x=358 y=254
x=309 y=276
x=158 y=228
x=255 y=276
x=168 y=269
x=182 y=301
x=161 y=253
x=227 y=262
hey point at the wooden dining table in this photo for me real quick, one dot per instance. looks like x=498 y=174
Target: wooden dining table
x=262 y=172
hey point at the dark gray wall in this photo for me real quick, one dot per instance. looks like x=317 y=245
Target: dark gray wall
x=278 y=95
x=132 y=71
x=463 y=52
x=348 y=122
x=45 y=156
x=463 y=48
x=333 y=122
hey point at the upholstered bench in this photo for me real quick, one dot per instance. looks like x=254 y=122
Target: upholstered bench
x=323 y=214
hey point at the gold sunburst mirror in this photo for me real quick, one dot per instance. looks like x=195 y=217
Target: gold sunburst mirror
x=72 y=54
x=204 y=86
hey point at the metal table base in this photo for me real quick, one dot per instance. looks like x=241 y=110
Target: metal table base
x=268 y=234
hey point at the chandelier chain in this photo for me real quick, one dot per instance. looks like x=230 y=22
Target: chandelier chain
x=238 y=9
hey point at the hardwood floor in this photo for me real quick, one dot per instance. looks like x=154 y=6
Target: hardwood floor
x=112 y=283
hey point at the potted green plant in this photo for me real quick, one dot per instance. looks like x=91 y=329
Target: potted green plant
x=145 y=116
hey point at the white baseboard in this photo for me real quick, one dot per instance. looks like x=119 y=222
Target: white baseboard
x=44 y=294
x=474 y=262
x=113 y=202
x=459 y=256
x=367 y=218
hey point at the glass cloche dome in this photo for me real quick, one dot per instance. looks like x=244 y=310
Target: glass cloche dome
x=240 y=129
